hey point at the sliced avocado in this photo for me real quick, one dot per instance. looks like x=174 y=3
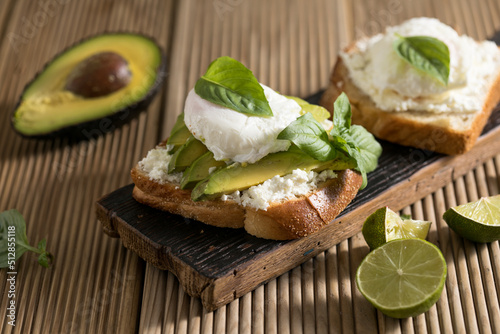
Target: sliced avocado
x=242 y=176
x=91 y=87
x=186 y=155
x=319 y=113
x=300 y=101
x=179 y=134
x=199 y=170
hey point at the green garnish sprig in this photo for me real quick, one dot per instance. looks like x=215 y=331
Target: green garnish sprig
x=344 y=140
x=14 y=242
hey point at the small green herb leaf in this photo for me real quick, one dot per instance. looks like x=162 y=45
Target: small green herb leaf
x=342 y=114
x=45 y=258
x=230 y=84
x=426 y=53
x=13 y=232
x=354 y=141
x=368 y=147
x=343 y=142
x=350 y=143
x=359 y=144
x=308 y=135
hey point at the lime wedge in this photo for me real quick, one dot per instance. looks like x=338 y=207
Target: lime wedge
x=402 y=278
x=385 y=225
x=476 y=221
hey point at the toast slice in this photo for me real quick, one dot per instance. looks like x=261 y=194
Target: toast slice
x=282 y=220
x=448 y=133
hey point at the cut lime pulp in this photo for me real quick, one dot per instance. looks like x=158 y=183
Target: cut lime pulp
x=402 y=278
x=477 y=221
x=385 y=225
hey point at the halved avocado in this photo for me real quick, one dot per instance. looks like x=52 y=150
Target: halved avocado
x=91 y=87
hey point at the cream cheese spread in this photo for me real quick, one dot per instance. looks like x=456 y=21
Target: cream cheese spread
x=280 y=188
x=395 y=85
x=155 y=164
x=234 y=136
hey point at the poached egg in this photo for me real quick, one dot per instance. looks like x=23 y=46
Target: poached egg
x=234 y=136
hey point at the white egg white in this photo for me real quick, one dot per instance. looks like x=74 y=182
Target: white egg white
x=234 y=136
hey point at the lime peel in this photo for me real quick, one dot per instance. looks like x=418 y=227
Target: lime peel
x=478 y=221
x=385 y=225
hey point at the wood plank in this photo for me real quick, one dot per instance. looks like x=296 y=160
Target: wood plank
x=219 y=265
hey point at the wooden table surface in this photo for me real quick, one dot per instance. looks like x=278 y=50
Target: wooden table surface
x=97 y=286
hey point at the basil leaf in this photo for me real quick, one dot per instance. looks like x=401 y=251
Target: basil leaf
x=369 y=149
x=347 y=145
x=308 y=135
x=340 y=143
x=45 y=258
x=425 y=53
x=342 y=114
x=13 y=220
x=230 y=84
x=359 y=144
x=351 y=143
x=354 y=141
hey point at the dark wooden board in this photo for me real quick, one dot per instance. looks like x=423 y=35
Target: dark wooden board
x=221 y=264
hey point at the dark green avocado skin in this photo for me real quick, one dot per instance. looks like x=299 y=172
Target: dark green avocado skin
x=96 y=128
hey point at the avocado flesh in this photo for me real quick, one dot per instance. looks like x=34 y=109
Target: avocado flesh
x=46 y=107
x=199 y=170
x=179 y=134
x=319 y=113
x=186 y=155
x=240 y=176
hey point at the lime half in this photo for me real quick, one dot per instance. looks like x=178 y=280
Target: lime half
x=402 y=278
x=385 y=225
x=477 y=221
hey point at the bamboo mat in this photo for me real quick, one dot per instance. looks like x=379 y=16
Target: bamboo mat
x=98 y=286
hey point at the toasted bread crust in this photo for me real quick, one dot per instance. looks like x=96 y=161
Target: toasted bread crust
x=417 y=129
x=169 y=197
x=281 y=221
x=308 y=214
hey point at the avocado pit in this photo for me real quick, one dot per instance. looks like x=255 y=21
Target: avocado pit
x=99 y=75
